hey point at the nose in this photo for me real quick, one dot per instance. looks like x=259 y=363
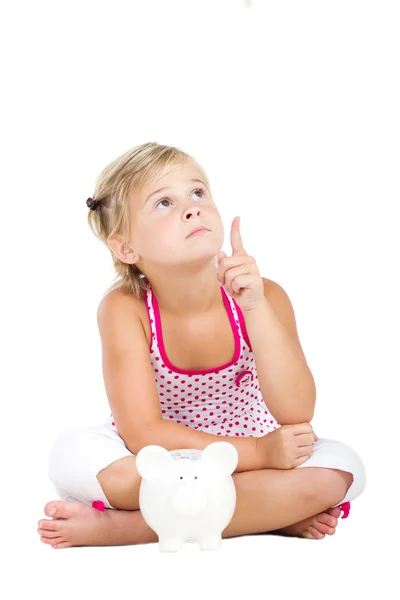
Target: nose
x=192 y=211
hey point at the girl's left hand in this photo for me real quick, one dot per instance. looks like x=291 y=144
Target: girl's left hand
x=239 y=273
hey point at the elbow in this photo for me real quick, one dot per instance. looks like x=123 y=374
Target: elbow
x=294 y=418
x=306 y=414
x=295 y=421
x=135 y=443
x=134 y=446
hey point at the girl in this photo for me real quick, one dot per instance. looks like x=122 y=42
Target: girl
x=169 y=326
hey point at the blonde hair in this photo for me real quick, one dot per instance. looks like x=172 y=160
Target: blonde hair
x=113 y=186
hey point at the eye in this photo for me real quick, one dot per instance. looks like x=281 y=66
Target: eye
x=202 y=193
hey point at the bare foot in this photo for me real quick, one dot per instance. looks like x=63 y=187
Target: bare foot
x=77 y=524
x=314 y=527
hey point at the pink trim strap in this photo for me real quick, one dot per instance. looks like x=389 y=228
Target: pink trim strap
x=345 y=507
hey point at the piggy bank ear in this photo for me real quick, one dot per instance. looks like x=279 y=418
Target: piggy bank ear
x=152 y=462
x=221 y=457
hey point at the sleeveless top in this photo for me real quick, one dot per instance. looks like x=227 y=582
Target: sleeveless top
x=225 y=400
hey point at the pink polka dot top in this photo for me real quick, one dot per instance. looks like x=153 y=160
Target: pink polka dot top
x=225 y=400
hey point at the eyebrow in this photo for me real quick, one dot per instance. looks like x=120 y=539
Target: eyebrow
x=166 y=188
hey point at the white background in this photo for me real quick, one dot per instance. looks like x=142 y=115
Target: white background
x=292 y=108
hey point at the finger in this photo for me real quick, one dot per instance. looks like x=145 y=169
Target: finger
x=220 y=275
x=304 y=451
x=230 y=267
x=236 y=238
x=302 y=459
x=300 y=428
x=220 y=256
x=238 y=277
x=304 y=439
x=236 y=260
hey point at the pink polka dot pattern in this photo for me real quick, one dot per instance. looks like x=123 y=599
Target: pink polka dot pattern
x=225 y=400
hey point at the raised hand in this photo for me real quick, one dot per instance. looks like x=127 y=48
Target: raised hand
x=239 y=273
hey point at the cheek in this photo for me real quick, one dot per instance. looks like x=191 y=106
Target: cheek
x=218 y=226
x=166 y=231
x=160 y=236
x=219 y=235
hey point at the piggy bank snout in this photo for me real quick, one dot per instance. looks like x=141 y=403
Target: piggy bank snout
x=189 y=499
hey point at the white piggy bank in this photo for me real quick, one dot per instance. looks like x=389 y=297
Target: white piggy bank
x=187 y=495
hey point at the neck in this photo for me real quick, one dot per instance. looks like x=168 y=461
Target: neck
x=189 y=299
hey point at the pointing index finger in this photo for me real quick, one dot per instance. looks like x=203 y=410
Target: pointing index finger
x=236 y=238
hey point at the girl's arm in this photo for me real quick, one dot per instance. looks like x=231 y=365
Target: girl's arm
x=132 y=392
x=286 y=382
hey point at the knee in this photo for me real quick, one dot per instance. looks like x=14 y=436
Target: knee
x=120 y=471
x=340 y=484
x=333 y=484
x=339 y=480
x=346 y=476
x=355 y=471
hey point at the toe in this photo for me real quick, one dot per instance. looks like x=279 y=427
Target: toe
x=327 y=519
x=48 y=534
x=63 y=510
x=318 y=535
x=307 y=534
x=335 y=512
x=50 y=541
x=48 y=524
x=323 y=528
x=61 y=545
x=59 y=507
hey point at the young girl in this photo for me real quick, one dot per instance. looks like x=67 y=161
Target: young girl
x=197 y=346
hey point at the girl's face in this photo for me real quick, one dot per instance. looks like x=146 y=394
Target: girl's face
x=162 y=220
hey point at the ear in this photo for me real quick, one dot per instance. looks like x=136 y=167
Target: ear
x=122 y=250
x=221 y=457
x=152 y=462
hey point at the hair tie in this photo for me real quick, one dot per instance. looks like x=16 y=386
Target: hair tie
x=92 y=204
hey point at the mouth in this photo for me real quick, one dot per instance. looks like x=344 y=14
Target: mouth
x=198 y=230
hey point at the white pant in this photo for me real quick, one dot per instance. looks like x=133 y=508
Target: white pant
x=79 y=454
